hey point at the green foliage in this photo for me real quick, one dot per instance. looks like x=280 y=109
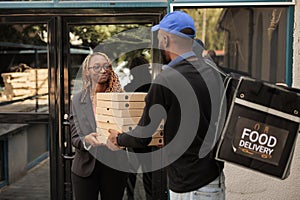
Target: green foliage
x=121 y=42
x=23 y=33
x=206 y=20
x=92 y=35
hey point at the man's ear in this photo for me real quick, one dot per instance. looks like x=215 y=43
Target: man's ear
x=166 y=40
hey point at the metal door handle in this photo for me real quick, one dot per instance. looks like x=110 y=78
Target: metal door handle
x=66 y=120
x=69 y=156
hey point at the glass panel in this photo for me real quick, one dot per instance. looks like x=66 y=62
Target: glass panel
x=25 y=152
x=122 y=1
x=2 y=161
x=205 y=1
x=23 y=0
x=248 y=40
x=24 y=68
x=122 y=43
x=37 y=142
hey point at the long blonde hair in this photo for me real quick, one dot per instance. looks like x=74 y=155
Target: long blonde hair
x=113 y=82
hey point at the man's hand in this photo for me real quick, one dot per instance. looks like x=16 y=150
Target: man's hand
x=112 y=146
x=112 y=143
x=113 y=136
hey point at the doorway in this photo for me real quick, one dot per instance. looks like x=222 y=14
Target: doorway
x=53 y=46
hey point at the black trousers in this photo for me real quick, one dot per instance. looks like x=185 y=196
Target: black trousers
x=147 y=177
x=131 y=182
x=109 y=182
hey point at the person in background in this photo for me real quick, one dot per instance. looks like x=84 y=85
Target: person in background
x=212 y=55
x=141 y=81
x=141 y=77
x=195 y=173
x=198 y=47
x=90 y=177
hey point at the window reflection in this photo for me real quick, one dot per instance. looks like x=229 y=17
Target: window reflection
x=22 y=147
x=24 y=68
x=121 y=42
x=247 y=40
x=24 y=0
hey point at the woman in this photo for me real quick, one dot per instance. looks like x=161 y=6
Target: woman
x=89 y=175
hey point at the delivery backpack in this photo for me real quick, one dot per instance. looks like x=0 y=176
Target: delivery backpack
x=261 y=124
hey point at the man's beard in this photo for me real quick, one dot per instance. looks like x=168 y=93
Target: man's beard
x=164 y=57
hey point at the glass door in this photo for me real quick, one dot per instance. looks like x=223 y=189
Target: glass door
x=40 y=72
x=122 y=38
x=24 y=105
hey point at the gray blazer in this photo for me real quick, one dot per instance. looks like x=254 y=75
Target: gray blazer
x=82 y=122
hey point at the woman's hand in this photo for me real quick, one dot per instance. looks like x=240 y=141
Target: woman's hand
x=98 y=139
x=91 y=139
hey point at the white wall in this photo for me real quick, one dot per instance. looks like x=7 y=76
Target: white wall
x=296 y=60
x=246 y=184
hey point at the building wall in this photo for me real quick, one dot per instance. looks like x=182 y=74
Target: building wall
x=296 y=59
x=242 y=183
x=257 y=47
x=27 y=146
x=246 y=184
x=17 y=154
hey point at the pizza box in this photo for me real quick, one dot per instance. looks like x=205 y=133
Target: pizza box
x=121 y=128
x=119 y=113
x=124 y=128
x=121 y=104
x=157 y=134
x=157 y=139
x=157 y=142
x=125 y=96
x=117 y=120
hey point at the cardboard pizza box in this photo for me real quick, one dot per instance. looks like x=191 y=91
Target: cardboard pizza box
x=124 y=128
x=157 y=134
x=117 y=120
x=119 y=113
x=125 y=96
x=121 y=104
x=121 y=128
x=156 y=141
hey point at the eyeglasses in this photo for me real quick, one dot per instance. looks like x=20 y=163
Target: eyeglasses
x=99 y=68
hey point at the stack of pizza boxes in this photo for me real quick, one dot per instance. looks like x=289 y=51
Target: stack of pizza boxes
x=122 y=112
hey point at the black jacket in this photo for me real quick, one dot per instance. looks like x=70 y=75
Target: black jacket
x=185 y=92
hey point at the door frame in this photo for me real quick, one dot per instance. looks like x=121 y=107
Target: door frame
x=149 y=16
x=58 y=77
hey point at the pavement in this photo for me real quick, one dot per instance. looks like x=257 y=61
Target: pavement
x=246 y=184
x=241 y=184
x=35 y=185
